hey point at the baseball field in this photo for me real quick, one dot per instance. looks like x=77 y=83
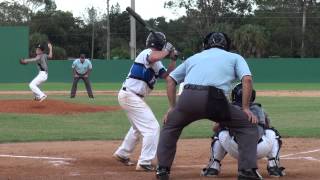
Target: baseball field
x=63 y=138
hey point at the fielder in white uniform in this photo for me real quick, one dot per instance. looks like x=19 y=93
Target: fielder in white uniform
x=224 y=142
x=42 y=64
x=141 y=79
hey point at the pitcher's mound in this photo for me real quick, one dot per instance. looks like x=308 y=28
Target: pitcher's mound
x=50 y=107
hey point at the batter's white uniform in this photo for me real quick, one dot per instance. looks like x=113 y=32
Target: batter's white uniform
x=139 y=84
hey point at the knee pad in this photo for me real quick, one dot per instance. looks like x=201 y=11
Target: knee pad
x=228 y=143
x=277 y=143
x=275 y=133
x=264 y=147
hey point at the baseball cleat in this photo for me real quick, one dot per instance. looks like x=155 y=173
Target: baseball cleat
x=276 y=171
x=209 y=172
x=43 y=98
x=249 y=174
x=145 y=167
x=124 y=160
x=36 y=99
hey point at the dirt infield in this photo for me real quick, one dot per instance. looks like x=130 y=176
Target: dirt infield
x=93 y=160
x=50 y=107
x=277 y=93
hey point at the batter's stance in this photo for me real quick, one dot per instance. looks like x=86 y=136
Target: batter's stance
x=141 y=79
x=224 y=142
x=42 y=63
x=207 y=77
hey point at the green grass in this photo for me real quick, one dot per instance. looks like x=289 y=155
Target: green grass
x=160 y=86
x=287 y=86
x=293 y=117
x=58 y=86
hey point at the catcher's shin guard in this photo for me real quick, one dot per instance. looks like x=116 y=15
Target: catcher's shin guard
x=274 y=168
x=217 y=154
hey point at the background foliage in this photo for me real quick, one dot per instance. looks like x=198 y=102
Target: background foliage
x=259 y=28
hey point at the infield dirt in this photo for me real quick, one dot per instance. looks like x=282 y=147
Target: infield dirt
x=50 y=107
x=92 y=160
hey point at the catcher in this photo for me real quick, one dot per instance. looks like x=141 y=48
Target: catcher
x=41 y=61
x=224 y=142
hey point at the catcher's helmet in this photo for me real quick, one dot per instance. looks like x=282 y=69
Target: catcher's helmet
x=217 y=39
x=156 y=40
x=236 y=94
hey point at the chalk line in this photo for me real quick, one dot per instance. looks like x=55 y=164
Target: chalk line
x=287 y=157
x=59 y=163
x=305 y=152
x=37 y=157
x=304 y=158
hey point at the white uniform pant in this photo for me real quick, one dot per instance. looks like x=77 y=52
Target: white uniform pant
x=38 y=80
x=269 y=147
x=264 y=148
x=143 y=124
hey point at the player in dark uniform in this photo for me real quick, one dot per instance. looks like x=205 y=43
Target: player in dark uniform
x=207 y=76
x=224 y=142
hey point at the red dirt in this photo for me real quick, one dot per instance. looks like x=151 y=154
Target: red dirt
x=276 y=93
x=50 y=107
x=92 y=160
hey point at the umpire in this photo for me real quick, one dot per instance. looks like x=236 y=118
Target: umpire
x=208 y=76
x=81 y=69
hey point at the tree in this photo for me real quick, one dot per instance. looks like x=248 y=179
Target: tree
x=50 y=5
x=32 y=5
x=12 y=13
x=284 y=19
x=62 y=30
x=207 y=13
x=251 y=40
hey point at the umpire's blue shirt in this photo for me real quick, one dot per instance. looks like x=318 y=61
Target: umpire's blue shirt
x=80 y=67
x=212 y=67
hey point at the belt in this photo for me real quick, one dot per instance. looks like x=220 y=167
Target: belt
x=125 y=89
x=216 y=91
x=196 y=87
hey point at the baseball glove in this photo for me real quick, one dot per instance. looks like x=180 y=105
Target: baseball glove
x=23 y=62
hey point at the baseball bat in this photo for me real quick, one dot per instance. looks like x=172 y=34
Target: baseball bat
x=138 y=18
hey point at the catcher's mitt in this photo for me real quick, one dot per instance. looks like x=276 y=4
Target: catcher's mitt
x=23 y=62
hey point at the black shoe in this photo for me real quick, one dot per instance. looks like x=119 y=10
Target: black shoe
x=72 y=96
x=91 y=97
x=162 y=173
x=209 y=172
x=276 y=171
x=249 y=174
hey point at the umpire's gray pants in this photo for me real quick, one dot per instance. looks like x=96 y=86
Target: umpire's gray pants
x=86 y=83
x=190 y=107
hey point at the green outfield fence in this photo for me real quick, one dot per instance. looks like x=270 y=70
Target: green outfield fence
x=268 y=71
x=14 y=45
